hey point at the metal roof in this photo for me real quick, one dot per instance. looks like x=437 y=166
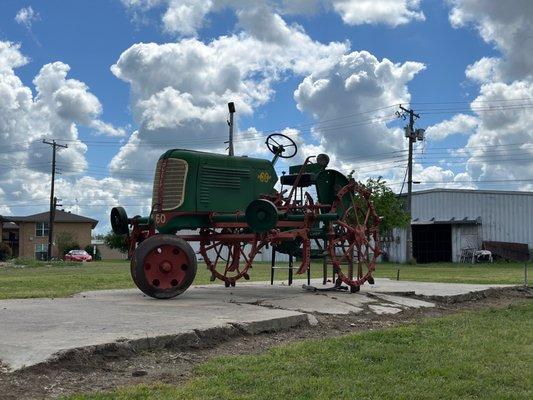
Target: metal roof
x=453 y=221
x=434 y=190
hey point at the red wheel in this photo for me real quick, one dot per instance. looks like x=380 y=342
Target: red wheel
x=354 y=237
x=163 y=266
x=228 y=261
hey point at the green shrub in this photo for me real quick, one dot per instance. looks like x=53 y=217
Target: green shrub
x=5 y=251
x=90 y=249
x=71 y=246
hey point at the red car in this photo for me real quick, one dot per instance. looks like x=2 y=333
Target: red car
x=78 y=255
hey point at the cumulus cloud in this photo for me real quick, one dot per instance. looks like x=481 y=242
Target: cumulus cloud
x=186 y=17
x=506 y=25
x=388 y=12
x=26 y=16
x=55 y=108
x=180 y=90
x=357 y=83
x=500 y=147
x=459 y=124
x=11 y=57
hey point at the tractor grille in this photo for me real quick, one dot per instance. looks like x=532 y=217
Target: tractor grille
x=169 y=184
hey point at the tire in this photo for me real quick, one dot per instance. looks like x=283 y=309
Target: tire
x=163 y=266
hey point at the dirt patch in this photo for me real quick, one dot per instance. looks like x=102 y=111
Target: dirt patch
x=115 y=365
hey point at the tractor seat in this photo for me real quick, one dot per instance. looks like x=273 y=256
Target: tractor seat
x=305 y=180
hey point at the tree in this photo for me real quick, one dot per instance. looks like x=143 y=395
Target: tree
x=388 y=206
x=114 y=241
x=65 y=241
x=5 y=251
x=90 y=249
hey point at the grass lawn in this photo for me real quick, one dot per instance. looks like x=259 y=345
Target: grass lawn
x=484 y=355
x=501 y=272
x=64 y=279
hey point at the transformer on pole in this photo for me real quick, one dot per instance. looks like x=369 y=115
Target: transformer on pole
x=412 y=135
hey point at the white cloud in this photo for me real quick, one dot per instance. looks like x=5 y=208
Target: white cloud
x=26 y=16
x=11 y=57
x=507 y=25
x=388 y=12
x=264 y=25
x=180 y=90
x=359 y=82
x=59 y=106
x=186 y=17
x=500 y=147
x=459 y=124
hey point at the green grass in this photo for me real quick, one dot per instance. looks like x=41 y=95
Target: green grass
x=483 y=355
x=496 y=273
x=38 y=279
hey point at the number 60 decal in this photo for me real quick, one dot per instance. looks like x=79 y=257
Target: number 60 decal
x=160 y=219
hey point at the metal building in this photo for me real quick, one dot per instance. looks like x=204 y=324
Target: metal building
x=445 y=222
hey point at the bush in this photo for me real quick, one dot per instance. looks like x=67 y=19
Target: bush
x=5 y=252
x=90 y=249
x=71 y=246
x=114 y=241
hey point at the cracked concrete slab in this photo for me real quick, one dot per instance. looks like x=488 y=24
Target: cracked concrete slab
x=313 y=303
x=380 y=309
x=404 y=301
x=33 y=331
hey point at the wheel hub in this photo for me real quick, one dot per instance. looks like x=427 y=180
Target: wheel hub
x=165 y=266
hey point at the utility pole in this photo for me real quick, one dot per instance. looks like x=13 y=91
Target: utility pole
x=53 y=200
x=231 y=108
x=412 y=135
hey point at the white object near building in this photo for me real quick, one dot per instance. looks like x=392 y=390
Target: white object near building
x=447 y=221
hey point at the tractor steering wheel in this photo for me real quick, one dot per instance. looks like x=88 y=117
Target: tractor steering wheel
x=278 y=144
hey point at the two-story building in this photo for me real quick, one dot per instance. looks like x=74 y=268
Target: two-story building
x=28 y=236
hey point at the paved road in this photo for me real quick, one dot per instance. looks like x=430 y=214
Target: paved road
x=33 y=331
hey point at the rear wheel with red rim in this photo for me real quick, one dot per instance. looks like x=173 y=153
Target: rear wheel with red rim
x=163 y=266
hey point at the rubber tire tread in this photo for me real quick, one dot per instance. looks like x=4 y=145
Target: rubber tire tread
x=137 y=265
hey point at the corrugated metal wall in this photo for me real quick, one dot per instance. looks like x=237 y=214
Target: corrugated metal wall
x=505 y=216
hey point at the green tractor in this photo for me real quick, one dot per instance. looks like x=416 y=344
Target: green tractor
x=229 y=205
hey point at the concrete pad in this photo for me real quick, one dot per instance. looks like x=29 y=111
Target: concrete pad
x=313 y=303
x=37 y=330
x=34 y=330
x=428 y=289
x=382 y=309
x=404 y=301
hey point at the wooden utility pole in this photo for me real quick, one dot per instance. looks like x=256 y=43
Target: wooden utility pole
x=231 y=108
x=53 y=200
x=412 y=136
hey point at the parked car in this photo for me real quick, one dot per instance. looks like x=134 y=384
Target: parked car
x=78 y=255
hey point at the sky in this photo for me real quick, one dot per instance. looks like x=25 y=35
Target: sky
x=121 y=81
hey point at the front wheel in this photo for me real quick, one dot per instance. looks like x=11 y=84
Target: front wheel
x=163 y=266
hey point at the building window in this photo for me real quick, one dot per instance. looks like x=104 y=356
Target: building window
x=41 y=229
x=41 y=251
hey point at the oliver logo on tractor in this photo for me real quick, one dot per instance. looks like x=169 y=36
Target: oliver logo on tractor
x=229 y=205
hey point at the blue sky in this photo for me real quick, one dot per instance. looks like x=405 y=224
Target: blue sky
x=90 y=37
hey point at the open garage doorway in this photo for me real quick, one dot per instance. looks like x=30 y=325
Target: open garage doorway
x=432 y=243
